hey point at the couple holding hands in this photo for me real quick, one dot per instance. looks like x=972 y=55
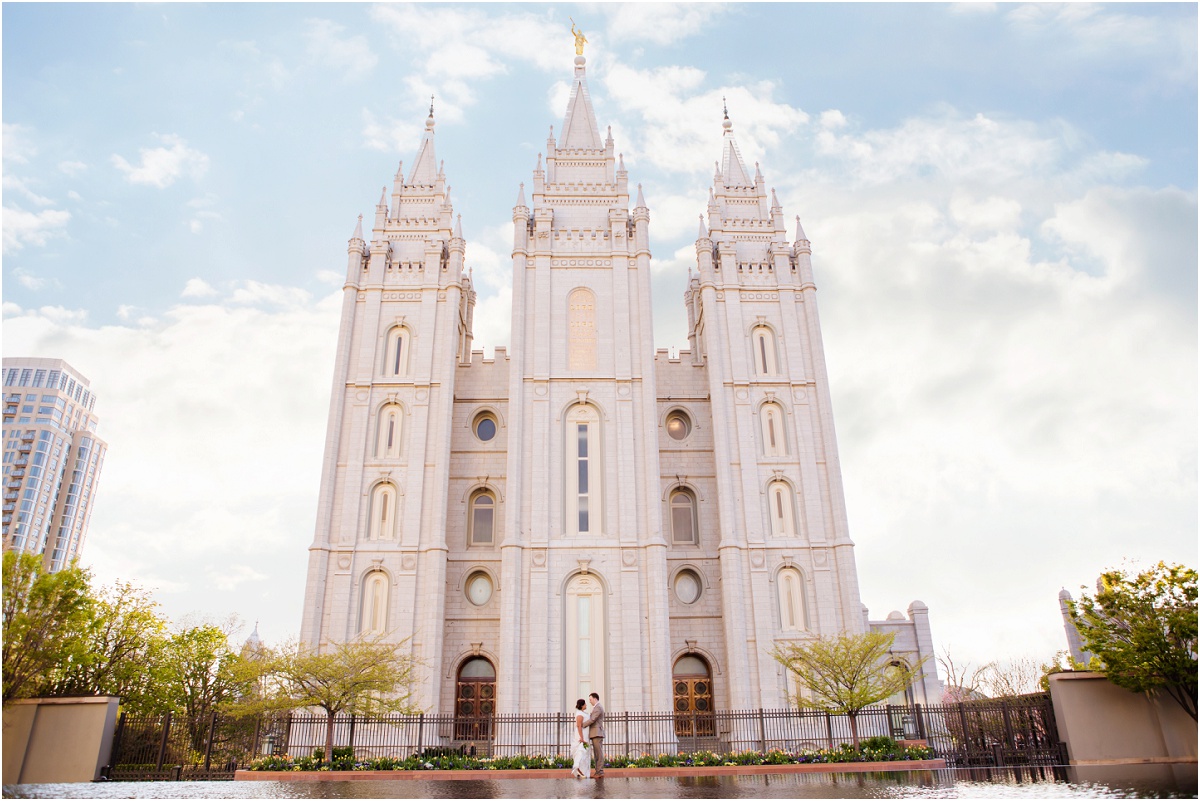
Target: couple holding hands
x=593 y=721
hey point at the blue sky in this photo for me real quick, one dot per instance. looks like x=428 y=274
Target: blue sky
x=1001 y=199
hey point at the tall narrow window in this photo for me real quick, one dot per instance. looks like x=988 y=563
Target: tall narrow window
x=585 y=632
x=779 y=498
x=581 y=330
x=382 y=513
x=683 y=517
x=792 y=613
x=373 y=614
x=773 y=433
x=583 y=467
x=483 y=519
x=395 y=361
x=765 y=360
x=387 y=431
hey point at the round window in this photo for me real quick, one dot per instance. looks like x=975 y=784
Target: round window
x=678 y=425
x=485 y=427
x=479 y=589
x=687 y=586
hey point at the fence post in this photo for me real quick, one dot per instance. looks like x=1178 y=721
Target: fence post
x=212 y=730
x=762 y=730
x=920 y=723
x=420 y=731
x=351 y=739
x=162 y=744
x=257 y=733
x=626 y=734
x=828 y=730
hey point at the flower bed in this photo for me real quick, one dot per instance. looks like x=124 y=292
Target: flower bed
x=874 y=750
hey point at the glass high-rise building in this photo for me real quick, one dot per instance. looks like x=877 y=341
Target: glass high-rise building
x=52 y=458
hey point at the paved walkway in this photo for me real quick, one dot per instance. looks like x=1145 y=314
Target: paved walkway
x=615 y=773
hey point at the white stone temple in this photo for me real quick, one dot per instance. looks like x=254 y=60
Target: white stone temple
x=582 y=512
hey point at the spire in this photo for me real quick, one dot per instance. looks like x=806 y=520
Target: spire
x=458 y=228
x=800 y=235
x=703 y=232
x=521 y=196
x=425 y=169
x=731 y=161
x=358 y=229
x=383 y=197
x=579 y=128
x=774 y=200
x=641 y=201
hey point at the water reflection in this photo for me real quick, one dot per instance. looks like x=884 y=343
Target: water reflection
x=1128 y=781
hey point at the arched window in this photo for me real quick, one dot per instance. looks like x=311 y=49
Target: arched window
x=774 y=435
x=483 y=519
x=683 y=517
x=382 y=512
x=584 y=474
x=581 y=330
x=372 y=618
x=387 y=431
x=765 y=360
x=783 y=519
x=793 y=615
x=395 y=357
x=585 y=638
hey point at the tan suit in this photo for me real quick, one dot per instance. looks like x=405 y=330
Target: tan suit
x=595 y=724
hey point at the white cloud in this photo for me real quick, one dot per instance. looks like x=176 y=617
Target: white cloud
x=198 y=288
x=659 y=23
x=389 y=135
x=31 y=282
x=14 y=184
x=23 y=227
x=72 y=168
x=203 y=412
x=254 y=293
x=18 y=147
x=162 y=166
x=351 y=55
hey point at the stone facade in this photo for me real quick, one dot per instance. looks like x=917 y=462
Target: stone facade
x=583 y=512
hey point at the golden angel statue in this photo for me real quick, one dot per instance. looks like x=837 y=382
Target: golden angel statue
x=580 y=39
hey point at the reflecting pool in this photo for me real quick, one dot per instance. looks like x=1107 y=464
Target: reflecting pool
x=1127 y=781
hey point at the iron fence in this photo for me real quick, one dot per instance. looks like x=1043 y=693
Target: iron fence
x=1014 y=731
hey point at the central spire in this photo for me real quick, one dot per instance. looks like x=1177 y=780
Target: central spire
x=425 y=169
x=579 y=131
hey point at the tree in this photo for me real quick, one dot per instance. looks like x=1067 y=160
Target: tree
x=1143 y=630
x=47 y=619
x=199 y=675
x=963 y=682
x=1013 y=677
x=122 y=644
x=846 y=673
x=364 y=677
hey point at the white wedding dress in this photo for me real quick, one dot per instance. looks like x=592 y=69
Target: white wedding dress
x=581 y=755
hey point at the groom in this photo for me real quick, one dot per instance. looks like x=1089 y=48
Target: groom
x=595 y=724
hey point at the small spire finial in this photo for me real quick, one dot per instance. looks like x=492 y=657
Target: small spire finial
x=725 y=106
x=431 y=105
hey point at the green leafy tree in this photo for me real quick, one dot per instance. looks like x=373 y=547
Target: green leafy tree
x=47 y=620
x=198 y=674
x=364 y=677
x=846 y=673
x=1143 y=629
x=123 y=644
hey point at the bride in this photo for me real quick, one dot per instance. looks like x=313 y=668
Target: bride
x=579 y=752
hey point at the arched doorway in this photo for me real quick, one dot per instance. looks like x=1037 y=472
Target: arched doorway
x=475 y=700
x=693 y=690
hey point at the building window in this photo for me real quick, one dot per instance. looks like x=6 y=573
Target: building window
x=485 y=426
x=479 y=588
x=383 y=512
x=395 y=361
x=483 y=519
x=683 y=517
x=793 y=615
x=584 y=483
x=387 y=431
x=581 y=330
x=765 y=361
x=687 y=586
x=773 y=433
x=779 y=498
x=586 y=637
x=679 y=425
x=372 y=619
